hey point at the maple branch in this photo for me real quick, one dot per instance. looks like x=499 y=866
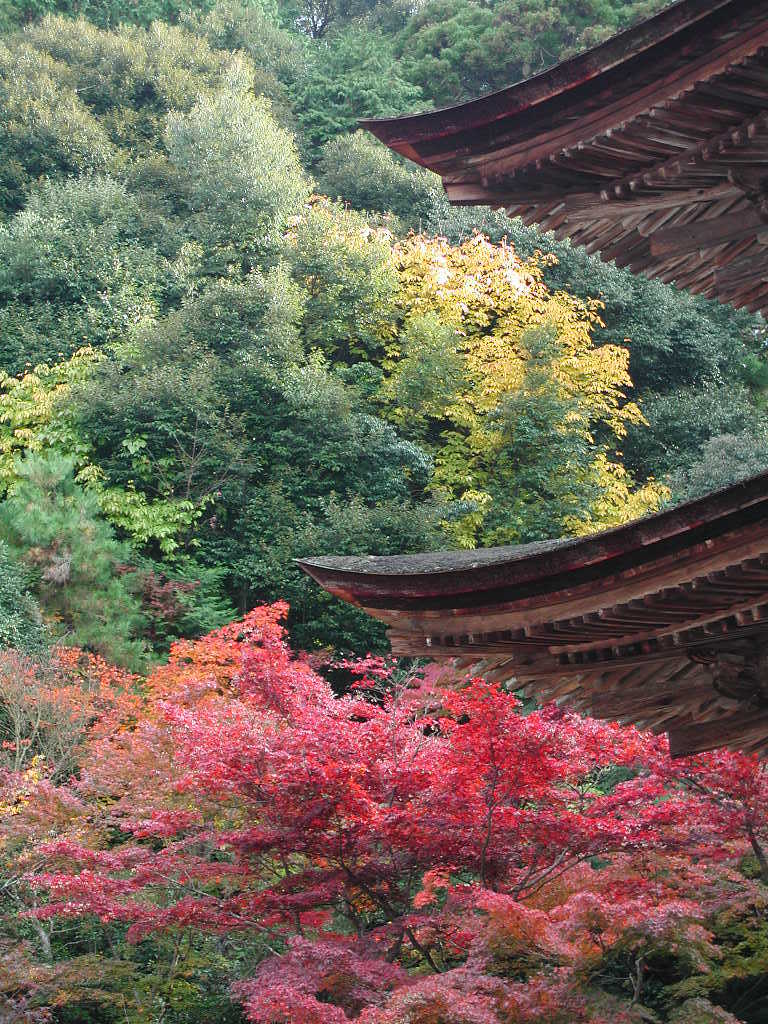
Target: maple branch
x=390 y=911
x=491 y=804
x=637 y=979
x=353 y=916
x=562 y=863
x=422 y=950
x=44 y=937
x=759 y=853
x=749 y=993
x=722 y=801
x=394 y=950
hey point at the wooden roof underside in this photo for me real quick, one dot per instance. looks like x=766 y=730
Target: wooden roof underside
x=662 y=622
x=651 y=149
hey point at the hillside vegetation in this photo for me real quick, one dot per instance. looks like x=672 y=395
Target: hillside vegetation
x=234 y=331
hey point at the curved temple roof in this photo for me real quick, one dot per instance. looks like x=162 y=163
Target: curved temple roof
x=651 y=148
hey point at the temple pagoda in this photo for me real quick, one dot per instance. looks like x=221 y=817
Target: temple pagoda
x=651 y=150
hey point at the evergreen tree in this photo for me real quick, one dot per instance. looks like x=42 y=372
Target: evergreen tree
x=21 y=624
x=78 y=569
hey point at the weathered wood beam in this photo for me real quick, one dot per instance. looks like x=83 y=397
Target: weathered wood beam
x=474 y=193
x=589 y=207
x=606 y=116
x=706 y=234
x=670 y=628
x=695 y=159
x=540 y=670
x=750 y=270
x=686 y=696
x=734 y=730
x=581 y=599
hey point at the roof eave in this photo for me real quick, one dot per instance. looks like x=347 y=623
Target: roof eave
x=404 y=132
x=680 y=525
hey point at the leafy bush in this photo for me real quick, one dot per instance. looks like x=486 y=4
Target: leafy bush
x=363 y=173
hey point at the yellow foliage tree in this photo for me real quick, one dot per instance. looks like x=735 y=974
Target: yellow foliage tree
x=35 y=413
x=502 y=379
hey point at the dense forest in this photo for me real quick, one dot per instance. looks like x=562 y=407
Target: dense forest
x=234 y=330
x=226 y=342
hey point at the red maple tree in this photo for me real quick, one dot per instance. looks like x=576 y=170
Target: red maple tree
x=404 y=854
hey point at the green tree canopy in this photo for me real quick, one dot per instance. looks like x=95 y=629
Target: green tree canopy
x=456 y=50
x=353 y=74
x=347 y=271
x=239 y=174
x=244 y=373
x=21 y=622
x=76 y=269
x=722 y=460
